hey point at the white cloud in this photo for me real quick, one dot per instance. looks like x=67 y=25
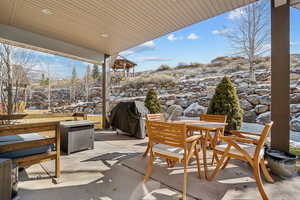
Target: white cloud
x=192 y=36
x=295 y=43
x=235 y=13
x=172 y=37
x=147 y=46
x=127 y=53
x=221 y=31
x=150 y=44
x=153 y=59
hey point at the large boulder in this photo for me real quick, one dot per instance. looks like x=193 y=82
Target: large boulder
x=295 y=98
x=174 y=111
x=203 y=101
x=262 y=91
x=294 y=108
x=295 y=124
x=183 y=102
x=261 y=109
x=242 y=95
x=170 y=102
x=194 y=110
x=210 y=91
x=265 y=99
x=245 y=105
x=264 y=118
x=250 y=116
x=254 y=99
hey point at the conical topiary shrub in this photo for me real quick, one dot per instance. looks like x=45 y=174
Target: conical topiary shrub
x=152 y=102
x=226 y=102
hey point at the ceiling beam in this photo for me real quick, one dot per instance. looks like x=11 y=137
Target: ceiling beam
x=18 y=37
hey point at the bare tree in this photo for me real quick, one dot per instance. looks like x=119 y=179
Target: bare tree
x=250 y=34
x=73 y=83
x=15 y=64
x=87 y=81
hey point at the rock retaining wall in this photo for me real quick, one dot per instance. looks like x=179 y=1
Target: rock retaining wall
x=254 y=98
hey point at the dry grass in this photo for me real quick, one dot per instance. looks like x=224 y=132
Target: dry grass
x=296 y=151
x=161 y=79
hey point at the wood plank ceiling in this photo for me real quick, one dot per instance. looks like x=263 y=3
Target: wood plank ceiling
x=109 y=26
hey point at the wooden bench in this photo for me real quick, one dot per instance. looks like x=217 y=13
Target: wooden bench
x=9 y=130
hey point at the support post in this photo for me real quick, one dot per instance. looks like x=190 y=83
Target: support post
x=105 y=90
x=280 y=75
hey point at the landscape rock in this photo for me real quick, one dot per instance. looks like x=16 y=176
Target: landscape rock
x=261 y=109
x=265 y=99
x=182 y=102
x=174 y=111
x=170 y=102
x=264 y=118
x=294 y=108
x=262 y=91
x=245 y=105
x=295 y=98
x=194 y=110
x=204 y=101
x=254 y=99
x=249 y=116
x=295 y=124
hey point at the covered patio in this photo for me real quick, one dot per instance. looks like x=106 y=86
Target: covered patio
x=115 y=170
x=95 y=32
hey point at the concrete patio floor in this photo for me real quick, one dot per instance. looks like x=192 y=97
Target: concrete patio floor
x=115 y=170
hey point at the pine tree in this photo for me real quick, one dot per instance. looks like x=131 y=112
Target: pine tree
x=74 y=75
x=95 y=72
x=152 y=102
x=226 y=102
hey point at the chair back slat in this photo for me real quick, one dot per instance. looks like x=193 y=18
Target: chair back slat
x=156 y=117
x=213 y=118
x=166 y=133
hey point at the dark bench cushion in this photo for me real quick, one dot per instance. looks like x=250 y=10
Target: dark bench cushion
x=23 y=152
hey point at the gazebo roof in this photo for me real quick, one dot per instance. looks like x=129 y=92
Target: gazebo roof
x=86 y=30
x=121 y=63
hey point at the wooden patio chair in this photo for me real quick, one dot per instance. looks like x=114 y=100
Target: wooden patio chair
x=170 y=141
x=245 y=148
x=153 y=117
x=211 y=137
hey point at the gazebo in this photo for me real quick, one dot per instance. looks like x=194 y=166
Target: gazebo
x=96 y=31
x=123 y=66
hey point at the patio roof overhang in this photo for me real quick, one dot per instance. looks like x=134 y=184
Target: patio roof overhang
x=87 y=30
x=96 y=30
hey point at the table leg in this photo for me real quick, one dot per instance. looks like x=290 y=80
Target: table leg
x=204 y=146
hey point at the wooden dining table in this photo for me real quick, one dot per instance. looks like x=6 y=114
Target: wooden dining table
x=204 y=127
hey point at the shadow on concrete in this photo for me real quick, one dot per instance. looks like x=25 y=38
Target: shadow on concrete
x=115 y=158
x=117 y=183
x=112 y=136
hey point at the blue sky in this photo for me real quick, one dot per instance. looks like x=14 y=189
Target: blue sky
x=200 y=43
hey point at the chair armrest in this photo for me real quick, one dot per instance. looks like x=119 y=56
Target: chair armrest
x=241 y=133
x=239 y=139
x=193 y=138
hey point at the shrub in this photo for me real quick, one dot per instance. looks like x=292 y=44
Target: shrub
x=152 y=102
x=192 y=65
x=159 y=79
x=226 y=102
x=163 y=68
